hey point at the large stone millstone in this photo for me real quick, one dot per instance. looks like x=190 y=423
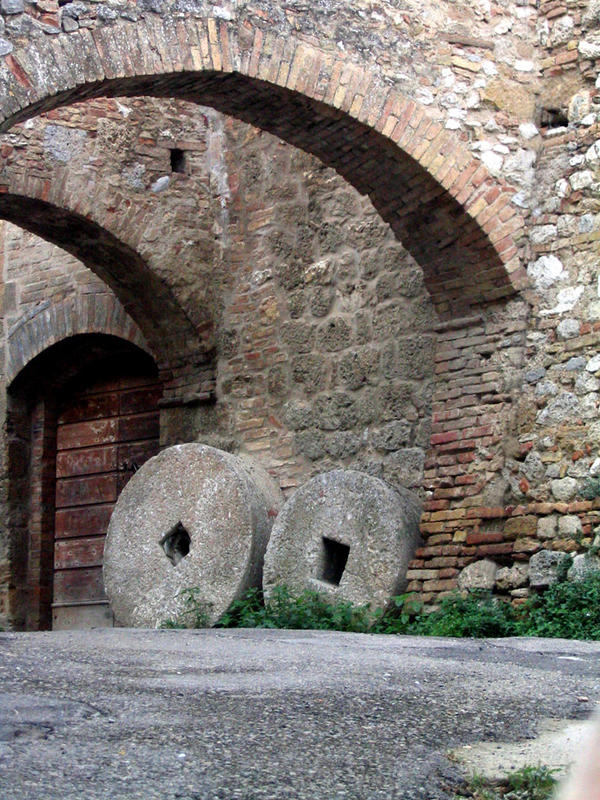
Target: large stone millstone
x=192 y=517
x=347 y=535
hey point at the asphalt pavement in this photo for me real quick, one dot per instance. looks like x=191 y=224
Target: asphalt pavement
x=267 y=715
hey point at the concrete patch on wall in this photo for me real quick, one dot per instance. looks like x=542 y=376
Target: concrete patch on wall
x=64 y=143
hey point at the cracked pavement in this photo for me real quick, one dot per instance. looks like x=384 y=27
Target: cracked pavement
x=267 y=715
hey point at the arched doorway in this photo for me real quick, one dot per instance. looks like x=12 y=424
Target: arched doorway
x=85 y=415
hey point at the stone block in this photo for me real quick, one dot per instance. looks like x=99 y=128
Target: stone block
x=298 y=336
x=346 y=535
x=321 y=300
x=547 y=527
x=334 y=335
x=515 y=527
x=309 y=369
x=565 y=545
x=544 y=566
x=12 y=6
x=69 y=24
x=526 y=545
x=512 y=577
x=583 y=565
x=510 y=97
x=392 y=436
x=192 y=518
x=563 y=408
x=545 y=271
x=404 y=467
x=297 y=416
x=519 y=592
x=342 y=444
x=63 y=143
x=310 y=443
x=564 y=489
x=569 y=525
x=478 y=575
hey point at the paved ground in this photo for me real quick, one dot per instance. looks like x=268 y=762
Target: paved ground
x=211 y=715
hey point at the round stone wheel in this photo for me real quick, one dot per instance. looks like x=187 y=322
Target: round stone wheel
x=346 y=535
x=187 y=537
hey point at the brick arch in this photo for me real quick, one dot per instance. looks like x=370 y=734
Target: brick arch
x=176 y=344
x=455 y=219
x=54 y=322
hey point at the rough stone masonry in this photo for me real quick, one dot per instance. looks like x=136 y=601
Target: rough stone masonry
x=354 y=236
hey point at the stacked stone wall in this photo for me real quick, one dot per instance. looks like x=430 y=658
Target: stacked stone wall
x=328 y=337
x=283 y=50
x=324 y=328
x=81 y=155
x=469 y=370
x=542 y=446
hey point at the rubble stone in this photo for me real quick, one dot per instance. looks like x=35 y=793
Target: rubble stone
x=583 y=566
x=478 y=575
x=544 y=567
x=512 y=577
x=564 y=488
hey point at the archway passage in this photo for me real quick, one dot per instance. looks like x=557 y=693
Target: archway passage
x=453 y=217
x=107 y=427
x=147 y=299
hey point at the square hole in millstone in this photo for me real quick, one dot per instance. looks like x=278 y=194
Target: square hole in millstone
x=176 y=543
x=335 y=555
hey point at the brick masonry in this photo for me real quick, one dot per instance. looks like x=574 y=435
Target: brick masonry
x=466 y=365
x=329 y=107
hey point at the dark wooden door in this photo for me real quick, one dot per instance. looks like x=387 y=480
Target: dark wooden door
x=106 y=430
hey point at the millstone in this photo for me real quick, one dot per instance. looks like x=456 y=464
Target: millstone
x=347 y=535
x=191 y=524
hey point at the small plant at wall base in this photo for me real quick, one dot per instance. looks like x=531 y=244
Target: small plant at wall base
x=477 y=615
x=195 y=614
x=569 y=610
x=528 y=783
x=308 y=611
x=566 y=610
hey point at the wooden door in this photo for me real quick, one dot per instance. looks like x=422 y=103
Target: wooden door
x=105 y=431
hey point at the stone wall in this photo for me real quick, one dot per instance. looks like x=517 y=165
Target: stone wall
x=338 y=299
x=324 y=337
x=292 y=323
x=543 y=496
x=327 y=338
x=271 y=69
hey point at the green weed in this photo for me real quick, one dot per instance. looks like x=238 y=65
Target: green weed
x=307 y=611
x=591 y=488
x=528 y=783
x=477 y=615
x=566 y=610
x=195 y=614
